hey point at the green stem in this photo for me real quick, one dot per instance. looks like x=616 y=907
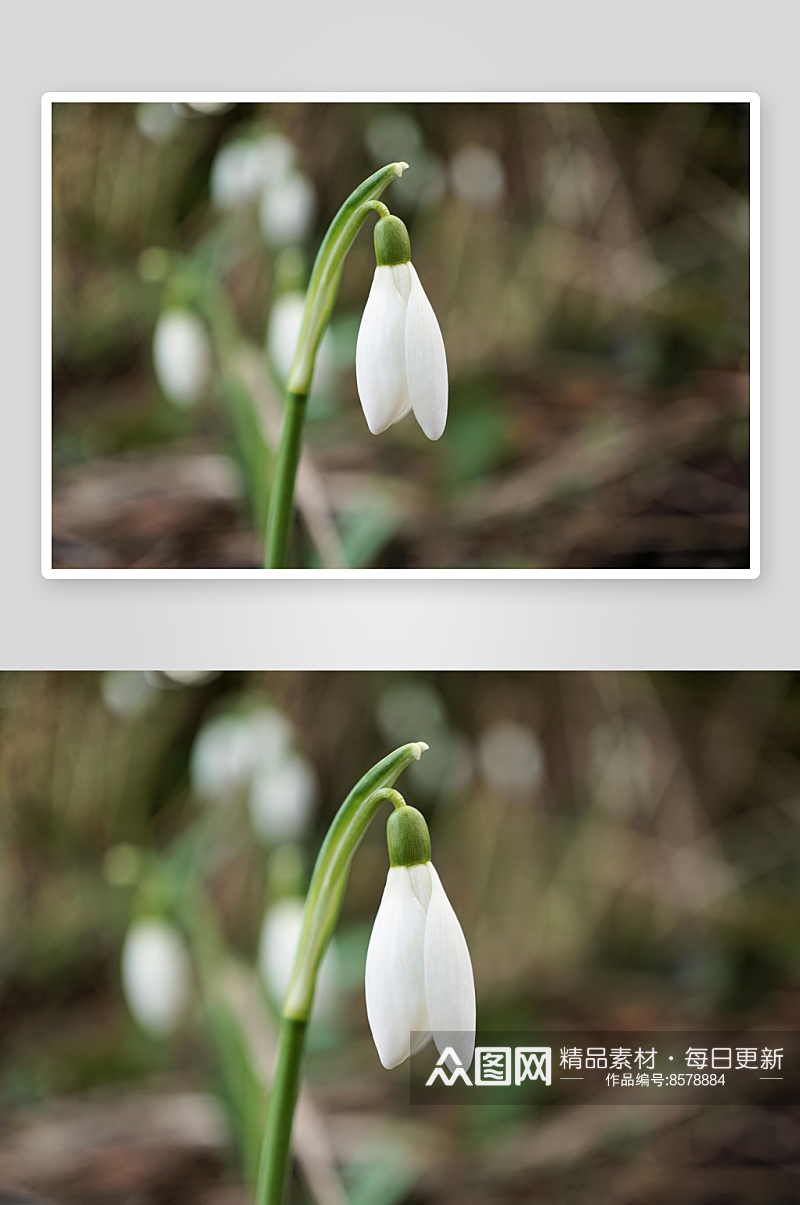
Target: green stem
x=321 y=910
x=281 y=502
x=394 y=797
x=273 y=1173
x=329 y=876
x=320 y=297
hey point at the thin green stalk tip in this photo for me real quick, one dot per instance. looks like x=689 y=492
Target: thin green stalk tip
x=391 y=796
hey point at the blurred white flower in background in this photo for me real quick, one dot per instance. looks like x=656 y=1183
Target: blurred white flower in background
x=157 y=121
x=283 y=330
x=185 y=677
x=233 y=176
x=127 y=693
x=229 y=748
x=210 y=106
x=511 y=758
x=244 y=167
x=409 y=706
x=181 y=356
x=412 y=705
x=446 y=769
x=277 y=947
x=393 y=134
x=156 y=975
x=478 y=176
x=253 y=753
x=283 y=794
x=425 y=186
x=287 y=210
x=265 y=169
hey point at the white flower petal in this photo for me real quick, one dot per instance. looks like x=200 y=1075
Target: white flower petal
x=421 y=1042
x=401 y=415
x=380 y=353
x=421 y=885
x=403 y=279
x=395 y=977
x=449 y=983
x=426 y=362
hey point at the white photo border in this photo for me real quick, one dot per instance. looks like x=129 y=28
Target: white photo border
x=750 y=98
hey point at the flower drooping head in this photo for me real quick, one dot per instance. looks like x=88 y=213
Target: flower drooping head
x=400 y=358
x=419 y=973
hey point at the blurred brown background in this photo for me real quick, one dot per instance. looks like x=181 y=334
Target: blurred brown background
x=621 y=849
x=589 y=266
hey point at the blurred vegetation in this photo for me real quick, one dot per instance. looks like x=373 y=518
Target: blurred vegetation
x=622 y=851
x=589 y=265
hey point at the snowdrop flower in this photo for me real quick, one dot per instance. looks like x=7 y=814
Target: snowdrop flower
x=181 y=356
x=400 y=357
x=419 y=973
x=210 y=106
x=156 y=121
x=277 y=948
x=229 y=749
x=407 y=704
x=126 y=693
x=478 y=176
x=244 y=167
x=511 y=758
x=287 y=210
x=156 y=975
x=282 y=798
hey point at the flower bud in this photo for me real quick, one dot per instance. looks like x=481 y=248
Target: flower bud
x=392 y=244
x=407 y=837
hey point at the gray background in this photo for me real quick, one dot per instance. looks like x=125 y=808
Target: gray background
x=387 y=46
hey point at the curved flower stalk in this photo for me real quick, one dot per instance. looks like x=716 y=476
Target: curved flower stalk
x=320 y=297
x=321 y=911
x=400 y=358
x=419 y=977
